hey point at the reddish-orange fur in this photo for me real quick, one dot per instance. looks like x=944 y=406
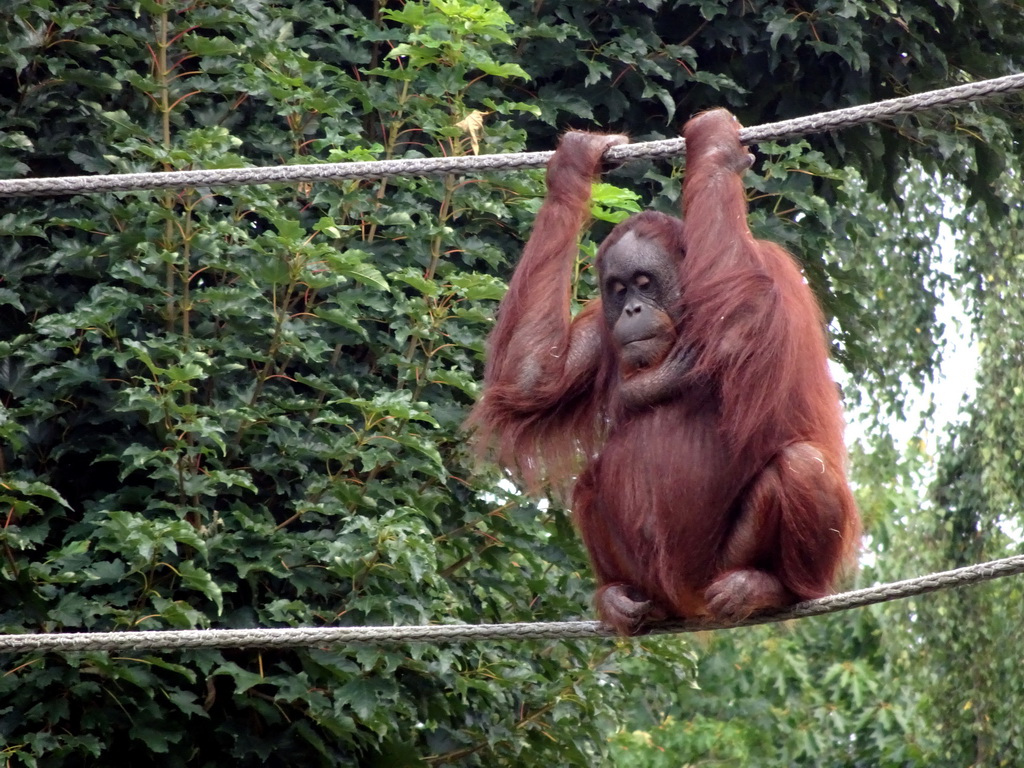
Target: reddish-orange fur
x=727 y=498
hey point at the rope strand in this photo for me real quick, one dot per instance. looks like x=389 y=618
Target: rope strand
x=302 y=637
x=435 y=166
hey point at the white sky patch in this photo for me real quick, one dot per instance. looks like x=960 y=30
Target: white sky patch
x=957 y=375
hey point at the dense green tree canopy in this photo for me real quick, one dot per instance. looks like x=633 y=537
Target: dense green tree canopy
x=242 y=407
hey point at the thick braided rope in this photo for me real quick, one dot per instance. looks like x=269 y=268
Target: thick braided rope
x=434 y=166
x=301 y=637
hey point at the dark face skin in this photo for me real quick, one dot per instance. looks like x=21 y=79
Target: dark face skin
x=639 y=289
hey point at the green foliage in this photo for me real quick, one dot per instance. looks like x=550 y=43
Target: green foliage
x=241 y=407
x=972 y=687
x=810 y=695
